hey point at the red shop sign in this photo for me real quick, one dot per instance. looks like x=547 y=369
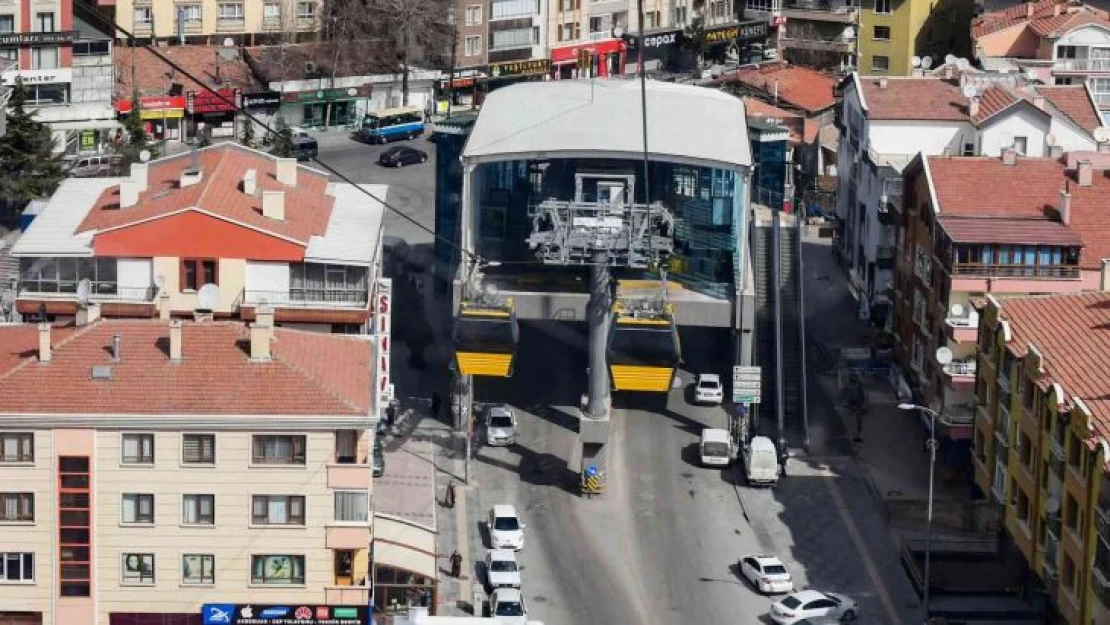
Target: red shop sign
x=207 y=101
x=154 y=103
x=570 y=53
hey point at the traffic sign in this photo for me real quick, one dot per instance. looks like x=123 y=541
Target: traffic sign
x=747 y=383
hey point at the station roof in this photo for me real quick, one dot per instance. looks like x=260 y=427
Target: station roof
x=577 y=119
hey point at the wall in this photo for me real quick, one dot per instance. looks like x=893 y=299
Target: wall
x=232 y=278
x=1016 y=41
x=1020 y=121
x=165 y=18
x=38 y=537
x=478 y=29
x=1089 y=35
x=1071 y=139
x=911 y=137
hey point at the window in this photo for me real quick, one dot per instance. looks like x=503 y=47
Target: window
x=569 y=31
x=198 y=448
x=1071 y=513
x=882 y=33
x=278 y=449
x=680 y=16
x=196 y=273
x=1065 y=52
x=595 y=25
x=73 y=522
x=507 y=39
x=17 y=566
x=198 y=509
x=351 y=506
x=474 y=15
x=1025 y=451
x=198 y=568
x=277 y=510
x=7 y=23
x=137 y=449
x=61 y=275
x=883 y=6
x=473 y=46
x=191 y=14
x=92 y=48
x=1021 y=144
x=17 y=447
x=306 y=10
x=231 y=12
x=271 y=11
x=277 y=569
x=969 y=149
x=17 y=507
x=137 y=509
x=880 y=63
x=44 y=22
x=138 y=569
x=999 y=486
x=569 y=5
x=144 y=17
x=44 y=58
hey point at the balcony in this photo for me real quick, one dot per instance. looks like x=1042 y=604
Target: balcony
x=1002 y=428
x=963 y=328
x=346 y=595
x=819 y=10
x=349 y=476
x=354 y=536
x=230 y=25
x=1081 y=66
x=193 y=27
x=142 y=29
x=1051 y=556
x=961 y=370
x=817 y=44
x=1102 y=520
x=978 y=270
x=104 y=293
x=1102 y=100
x=307 y=24
x=307 y=298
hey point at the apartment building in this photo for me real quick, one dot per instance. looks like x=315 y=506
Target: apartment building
x=221 y=231
x=815 y=33
x=885 y=123
x=150 y=469
x=890 y=34
x=1041 y=450
x=1058 y=42
x=212 y=22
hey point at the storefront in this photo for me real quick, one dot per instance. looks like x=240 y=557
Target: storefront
x=734 y=39
x=662 y=50
x=320 y=108
x=282 y=614
x=464 y=89
x=511 y=72
x=212 y=112
x=404 y=565
x=585 y=60
x=163 y=115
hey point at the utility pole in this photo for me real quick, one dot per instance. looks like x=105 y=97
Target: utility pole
x=643 y=99
x=454 y=53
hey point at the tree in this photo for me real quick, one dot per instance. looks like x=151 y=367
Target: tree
x=283 y=141
x=419 y=28
x=247 y=137
x=28 y=166
x=135 y=138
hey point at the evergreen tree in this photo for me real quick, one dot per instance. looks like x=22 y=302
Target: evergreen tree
x=247 y=137
x=283 y=141
x=135 y=139
x=28 y=166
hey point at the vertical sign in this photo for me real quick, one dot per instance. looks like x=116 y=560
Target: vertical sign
x=383 y=323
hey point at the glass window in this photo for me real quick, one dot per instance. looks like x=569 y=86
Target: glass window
x=883 y=6
x=198 y=509
x=44 y=22
x=137 y=508
x=17 y=567
x=278 y=449
x=138 y=569
x=271 y=11
x=7 y=23
x=474 y=15
x=92 y=48
x=196 y=273
x=306 y=10
x=191 y=12
x=17 y=507
x=273 y=569
x=17 y=447
x=44 y=58
x=880 y=63
x=137 y=449
x=198 y=568
x=882 y=33
x=277 y=510
x=473 y=46
x=231 y=12
x=1021 y=144
x=198 y=448
x=351 y=506
x=144 y=16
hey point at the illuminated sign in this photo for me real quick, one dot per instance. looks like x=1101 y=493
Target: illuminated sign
x=383 y=327
x=37 y=39
x=206 y=101
x=510 y=69
x=291 y=614
x=262 y=100
x=747 y=31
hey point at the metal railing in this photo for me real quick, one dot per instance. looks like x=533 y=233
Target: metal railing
x=1100 y=581
x=1002 y=428
x=958 y=368
x=1082 y=65
x=230 y=25
x=1101 y=99
x=1102 y=520
x=307 y=298
x=116 y=294
x=818 y=5
x=977 y=270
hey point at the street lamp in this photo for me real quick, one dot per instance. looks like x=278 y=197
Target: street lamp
x=932 y=444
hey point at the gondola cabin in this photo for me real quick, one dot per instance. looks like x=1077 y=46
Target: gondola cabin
x=485 y=340
x=643 y=350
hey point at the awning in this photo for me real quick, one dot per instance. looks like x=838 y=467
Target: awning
x=1009 y=231
x=405 y=545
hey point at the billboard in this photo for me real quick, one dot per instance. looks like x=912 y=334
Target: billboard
x=289 y=614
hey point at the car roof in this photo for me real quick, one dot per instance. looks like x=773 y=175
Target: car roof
x=504 y=510
x=500 y=411
x=805 y=596
x=502 y=554
x=709 y=377
x=767 y=559
x=715 y=435
x=509 y=594
x=762 y=443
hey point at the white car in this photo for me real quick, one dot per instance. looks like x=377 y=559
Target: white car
x=767 y=573
x=501 y=569
x=507 y=602
x=708 y=389
x=811 y=603
x=505 y=529
x=500 y=426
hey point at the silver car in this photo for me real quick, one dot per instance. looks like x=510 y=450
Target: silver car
x=500 y=426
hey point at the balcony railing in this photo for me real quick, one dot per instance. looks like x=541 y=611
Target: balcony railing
x=814 y=43
x=307 y=298
x=1051 y=550
x=960 y=369
x=1002 y=428
x=1101 y=99
x=978 y=270
x=113 y=294
x=818 y=5
x=1082 y=65
x=230 y=25
x=1102 y=520
x=271 y=23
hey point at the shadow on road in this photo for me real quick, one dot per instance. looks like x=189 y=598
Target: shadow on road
x=537 y=468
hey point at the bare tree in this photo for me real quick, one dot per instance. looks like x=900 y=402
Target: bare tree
x=812 y=48
x=418 y=28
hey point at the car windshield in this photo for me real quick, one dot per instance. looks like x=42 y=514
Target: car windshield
x=509 y=608
x=501 y=422
x=791 y=602
x=502 y=566
x=709 y=384
x=714 y=449
x=774 y=569
x=506 y=523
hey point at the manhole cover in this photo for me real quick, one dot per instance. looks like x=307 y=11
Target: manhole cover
x=539 y=598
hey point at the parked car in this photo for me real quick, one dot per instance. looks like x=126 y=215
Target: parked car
x=507 y=602
x=378 y=460
x=502 y=570
x=811 y=604
x=767 y=573
x=708 y=389
x=500 y=426
x=400 y=155
x=95 y=166
x=505 y=529
x=305 y=148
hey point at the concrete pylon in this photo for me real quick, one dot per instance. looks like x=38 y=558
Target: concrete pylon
x=594 y=425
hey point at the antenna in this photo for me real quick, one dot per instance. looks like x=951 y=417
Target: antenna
x=1102 y=134
x=84 y=291
x=926 y=62
x=208 y=297
x=916 y=61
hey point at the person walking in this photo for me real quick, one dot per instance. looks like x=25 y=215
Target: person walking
x=449 y=498
x=436 y=401
x=456 y=564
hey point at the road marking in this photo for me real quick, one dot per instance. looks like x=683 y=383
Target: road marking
x=861 y=548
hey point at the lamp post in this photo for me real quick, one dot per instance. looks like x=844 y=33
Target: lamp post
x=932 y=444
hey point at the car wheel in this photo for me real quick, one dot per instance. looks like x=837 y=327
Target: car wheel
x=848 y=617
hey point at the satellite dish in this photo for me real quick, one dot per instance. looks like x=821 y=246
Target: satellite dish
x=969 y=91
x=944 y=355
x=1050 y=140
x=144 y=156
x=229 y=42
x=963 y=64
x=957 y=310
x=849 y=34
x=1102 y=134
x=1031 y=73
x=950 y=59
x=1052 y=505
x=159 y=282
x=618 y=32
x=208 y=297
x=84 y=291
x=926 y=62
x=916 y=61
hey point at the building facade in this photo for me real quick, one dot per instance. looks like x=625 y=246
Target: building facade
x=1041 y=446
x=208 y=22
x=811 y=32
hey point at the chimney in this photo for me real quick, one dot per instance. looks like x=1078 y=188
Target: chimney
x=1065 y=206
x=286 y=171
x=250 y=182
x=949 y=71
x=1084 y=171
x=44 y=342
x=175 y=340
x=164 y=306
x=260 y=342
x=1057 y=9
x=1009 y=156
x=116 y=347
x=191 y=176
x=1056 y=151
x=88 y=313
x=883 y=82
x=139 y=175
x=128 y=193
x=1104 y=276
x=1030 y=9
x=973 y=107
x=273 y=205
x=264 y=315
x=1038 y=101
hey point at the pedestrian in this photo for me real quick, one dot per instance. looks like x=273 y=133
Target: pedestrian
x=436 y=401
x=449 y=498
x=456 y=564
x=390 y=414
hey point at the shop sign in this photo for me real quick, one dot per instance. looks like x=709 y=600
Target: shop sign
x=9 y=40
x=747 y=31
x=570 y=53
x=383 y=327
x=88 y=139
x=36 y=76
x=155 y=104
x=222 y=101
x=290 y=614
x=326 y=95
x=662 y=40
x=262 y=100
x=510 y=69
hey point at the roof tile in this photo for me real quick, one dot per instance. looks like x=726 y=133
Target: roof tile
x=1075 y=103
x=913 y=98
x=801 y=86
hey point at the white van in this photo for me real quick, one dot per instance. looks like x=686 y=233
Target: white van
x=715 y=448
x=761 y=462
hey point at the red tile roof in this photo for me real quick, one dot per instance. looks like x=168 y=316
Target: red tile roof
x=803 y=87
x=154 y=77
x=1009 y=231
x=1045 y=21
x=1056 y=25
x=307 y=206
x=759 y=109
x=913 y=98
x=1075 y=103
x=1072 y=333
x=310 y=374
x=995 y=21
